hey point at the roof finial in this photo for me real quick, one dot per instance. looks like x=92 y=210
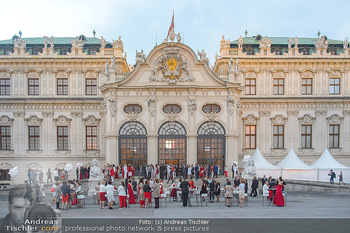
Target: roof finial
x=20 y=33
x=94 y=32
x=318 y=33
x=246 y=33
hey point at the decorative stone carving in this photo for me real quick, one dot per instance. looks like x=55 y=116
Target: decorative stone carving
x=321 y=43
x=32 y=73
x=307 y=73
x=202 y=56
x=250 y=169
x=230 y=105
x=173 y=66
x=34 y=166
x=293 y=112
x=107 y=69
x=172 y=116
x=265 y=43
x=33 y=120
x=5 y=120
x=5 y=166
x=240 y=42
x=224 y=44
x=321 y=112
x=61 y=73
x=140 y=57
x=335 y=119
x=90 y=73
x=96 y=175
x=279 y=120
x=178 y=37
x=77 y=43
x=103 y=42
x=250 y=120
x=307 y=119
x=19 y=114
x=151 y=102
x=76 y=114
x=5 y=73
x=192 y=105
x=118 y=44
x=211 y=116
x=62 y=121
x=112 y=104
x=19 y=43
x=113 y=65
x=51 y=43
x=133 y=116
x=91 y=120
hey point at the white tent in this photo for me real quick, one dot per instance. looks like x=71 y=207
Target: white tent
x=295 y=169
x=264 y=167
x=326 y=163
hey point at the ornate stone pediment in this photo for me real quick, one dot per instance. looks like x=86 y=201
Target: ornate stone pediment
x=34 y=166
x=307 y=73
x=250 y=120
x=5 y=120
x=335 y=119
x=33 y=120
x=33 y=73
x=252 y=73
x=335 y=73
x=307 y=119
x=91 y=120
x=90 y=73
x=62 y=121
x=278 y=73
x=62 y=73
x=5 y=166
x=279 y=120
x=171 y=67
x=5 y=73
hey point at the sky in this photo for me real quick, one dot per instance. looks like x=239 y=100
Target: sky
x=144 y=23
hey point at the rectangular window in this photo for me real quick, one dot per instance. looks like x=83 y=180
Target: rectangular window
x=91 y=86
x=62 y=86
x=306 y=86
x=91 y=137
x=334 y=86
x=278 y=86
x=306 y=136
x=5 y=137
x=62 y=138
x=334 y=136
x=5 y=87
x=278 y=136
x=250 y=136
x=34 y=137
x=33 y=86
x=250 y=86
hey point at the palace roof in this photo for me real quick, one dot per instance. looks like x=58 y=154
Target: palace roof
x=56 y=41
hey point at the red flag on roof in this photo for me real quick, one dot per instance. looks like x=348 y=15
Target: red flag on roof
x=171 y=25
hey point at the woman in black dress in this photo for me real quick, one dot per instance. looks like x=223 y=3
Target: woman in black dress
x=217 y=190
x=203 y=188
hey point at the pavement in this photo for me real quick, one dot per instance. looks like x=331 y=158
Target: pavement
x=302 y=204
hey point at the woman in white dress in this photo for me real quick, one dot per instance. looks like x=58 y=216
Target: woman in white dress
x=110 y=194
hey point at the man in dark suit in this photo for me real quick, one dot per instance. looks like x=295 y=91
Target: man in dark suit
x=263 y=180
x=185 y=190
x=196 y=169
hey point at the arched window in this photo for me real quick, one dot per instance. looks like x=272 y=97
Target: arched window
x=211 y=144
x=133 y=145
x=172 y=143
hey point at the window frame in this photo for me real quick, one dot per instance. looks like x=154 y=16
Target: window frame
x=35 y=137
x=333 y=135
x=33 y=89
x=89 y=87
x=211 y=108
x=278 y=135
x=61 y=88
x=333 y=86
x=7 y=138
x=278 y=86
x=90 y=138
x=4 y=86
x=250 y=87
x=64 y=144
x=250 y=135
x=304 y=136
x=306 y=85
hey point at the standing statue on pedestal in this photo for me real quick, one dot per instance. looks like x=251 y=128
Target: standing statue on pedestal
x=96 y=176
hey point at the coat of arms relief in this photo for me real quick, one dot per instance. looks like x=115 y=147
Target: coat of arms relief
x=171 y=67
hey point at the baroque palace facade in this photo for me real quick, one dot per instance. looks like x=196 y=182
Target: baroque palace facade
x=69 y=100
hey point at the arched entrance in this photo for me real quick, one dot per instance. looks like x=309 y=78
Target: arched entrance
x=133 y=145
x=211 y=144
x=172 y=143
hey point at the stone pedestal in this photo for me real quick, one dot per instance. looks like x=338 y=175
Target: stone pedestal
x=96 y=176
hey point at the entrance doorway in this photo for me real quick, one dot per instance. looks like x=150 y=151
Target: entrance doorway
x=172 y=143
x=133 y=145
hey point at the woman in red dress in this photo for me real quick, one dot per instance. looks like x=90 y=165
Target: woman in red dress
x=111 y=172
x=131 y=194
x=173 y=193
x=278 y=200
x=129 y=175
x=201 y=172
x=161 y=186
